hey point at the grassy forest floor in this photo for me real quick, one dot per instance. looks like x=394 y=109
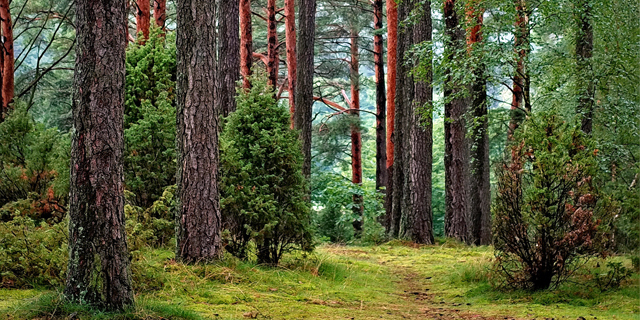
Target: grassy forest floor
x=391 y=281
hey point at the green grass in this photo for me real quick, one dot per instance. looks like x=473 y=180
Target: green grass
x=388 y=281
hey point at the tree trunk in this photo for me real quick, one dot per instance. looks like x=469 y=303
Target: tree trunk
x=99 y=268
x=160 y=13
x=143 y=19
x=584 y=52
x=246 y=43
x=392 y=51
x=422 y=141
x=198 y=214
x=228 y=66
x=7 y=67
x=480 y=187
x=381 y=108
x=304 y=81
x=290 y=35
x=356 y=136
x=520 y=104
x=273 y=59
x=456 y=157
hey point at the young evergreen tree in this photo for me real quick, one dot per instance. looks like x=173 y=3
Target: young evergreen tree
x=99 y=267
x=198 y=217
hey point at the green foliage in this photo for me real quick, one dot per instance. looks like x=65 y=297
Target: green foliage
x=547 y=210
x=150 y=118
x=34 y=164
x=614 y=276
x=32 y=254
x=263 y=190
x=153 y=226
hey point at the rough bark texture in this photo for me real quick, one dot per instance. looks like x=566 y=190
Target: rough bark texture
x=160 y=13
x=143 y=19
x=356 y=135
x=381 y=99
x=7 y=66
x=480 y=187
x=99 y=269
x=290 y=35
x=198 y=214
x=273 y=59
x=584 y=52
x=520 y=104
x=421 y=216
x=246 y=42
x=456 y=156
x=304 y=81
x=228 y=67
x=392 y=51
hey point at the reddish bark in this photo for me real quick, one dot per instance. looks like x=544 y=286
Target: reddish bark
x=520 y=104
x=381 y=108
x=246 y=42
x=272 y=44
x=392 y=46
x=160 y=13
x=7 y=66
x=143 y=19
x=290 y=34
x=356 y=135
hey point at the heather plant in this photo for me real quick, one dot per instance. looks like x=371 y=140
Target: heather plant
x=548 y=211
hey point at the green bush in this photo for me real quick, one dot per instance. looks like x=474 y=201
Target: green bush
x=548 y=212
x=153 y=226
x=615 y=274
x=150 y=118
x=263 y=190
x=32 y=254
x=34 y=168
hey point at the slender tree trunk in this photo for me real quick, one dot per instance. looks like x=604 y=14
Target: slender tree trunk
x=7 y=67
x=290 y=35
x=198 y=215
x=456 y=157
x=143 y=19
x=160 y=13
x=392 y=51
x=356 y=136
x=228 y=66
x=99 y=270
x=273 y=59
x=422 y=140
x=520 y=104
x=480 y=186
x=304 y=81
x=246 y=43
x=584 y=52
x=381 y=100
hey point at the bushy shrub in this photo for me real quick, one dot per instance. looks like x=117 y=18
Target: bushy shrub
x=263 y=189
x=547 y=209
x=615 y=274
x=153 y=226
x=32 y=254
x=34 y=168
x=150 y=118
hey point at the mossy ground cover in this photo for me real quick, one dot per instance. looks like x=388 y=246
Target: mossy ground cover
x=391 y=281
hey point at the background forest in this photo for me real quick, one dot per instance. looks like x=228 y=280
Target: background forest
x=507 y=132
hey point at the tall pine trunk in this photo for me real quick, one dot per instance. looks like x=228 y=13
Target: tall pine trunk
x=160 y=13
x=99 y=270
x=246 y=42
x=381 y=99
x=584 y=52
x=421 y=222
x=480 y=187
x=520 y=104
x=456 y=157
x=392 y=51
x=304 y=81
x=290 y=35
x=356 y=135
x=143 y=19
x=273 y=59
x=198 y=215
x=8 y=63
x=228 y=66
